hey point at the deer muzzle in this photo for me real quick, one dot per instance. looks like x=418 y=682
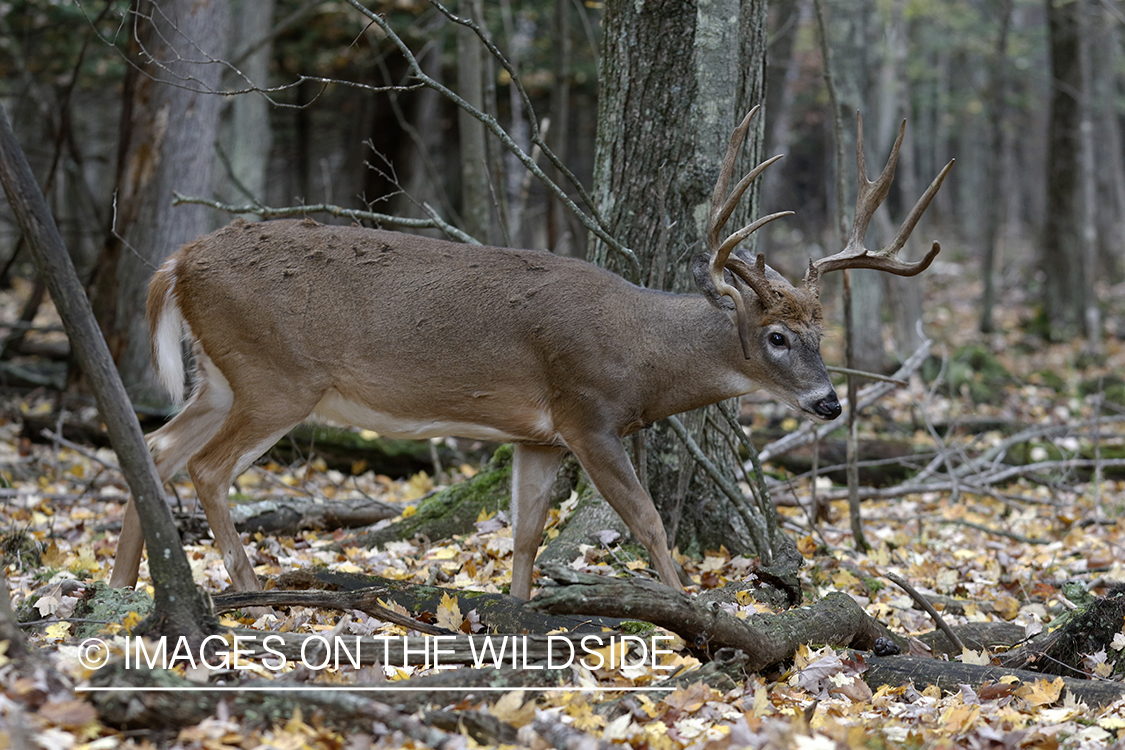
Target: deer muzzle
x=828 y=407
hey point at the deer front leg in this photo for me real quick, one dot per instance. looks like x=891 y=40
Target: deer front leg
x=533 y=470
x=605 y=460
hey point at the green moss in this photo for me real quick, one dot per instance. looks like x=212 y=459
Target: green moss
x=454 y=510
x=636 y=627
x=110 y=605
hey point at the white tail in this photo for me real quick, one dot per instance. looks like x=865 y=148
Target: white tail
x=167 y=339
x=416 y=337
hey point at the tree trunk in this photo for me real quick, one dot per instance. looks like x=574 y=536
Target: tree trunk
x=1091 y=316
x=560 y=237
x=1061 y=258
x=1106 y=51
x=250 y=133
x=854 y=63
x=997 y=91
x=475 y=205
x=676 y=78
x=169 y=127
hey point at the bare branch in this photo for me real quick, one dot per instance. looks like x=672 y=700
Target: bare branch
x=267 y=212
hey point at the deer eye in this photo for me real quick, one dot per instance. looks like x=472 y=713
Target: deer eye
x=776 y=339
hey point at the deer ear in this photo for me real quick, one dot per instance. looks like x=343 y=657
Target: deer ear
x=700 y=269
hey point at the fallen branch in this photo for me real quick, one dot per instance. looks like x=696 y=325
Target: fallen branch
x=836 y=619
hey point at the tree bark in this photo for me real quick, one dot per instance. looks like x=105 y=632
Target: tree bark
x=1061 y=252
x=168 y=131
x=475 y=203
x=997 y=91
x=250 y=134
x=676 y=78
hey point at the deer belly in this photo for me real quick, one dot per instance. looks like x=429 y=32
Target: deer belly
x=336 y=408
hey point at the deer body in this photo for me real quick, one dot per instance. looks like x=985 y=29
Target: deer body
x=419 y=338
x=415 y=337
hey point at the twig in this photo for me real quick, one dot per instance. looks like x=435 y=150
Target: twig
x=868 y=375
x=57 y=438
x=997 y=532
x=929 y=609
x=754 y=521
x=268 y=212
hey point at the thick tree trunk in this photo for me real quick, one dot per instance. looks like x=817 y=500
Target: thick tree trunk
x=170 y=126
x=1061 y=258
x=998 y=91
x=676 y=77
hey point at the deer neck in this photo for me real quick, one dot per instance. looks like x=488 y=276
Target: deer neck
x=701 y=365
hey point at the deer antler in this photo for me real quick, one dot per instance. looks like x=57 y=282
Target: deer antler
x=722 y=206
x=870 y=196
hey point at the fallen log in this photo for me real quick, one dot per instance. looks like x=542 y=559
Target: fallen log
x=767 y=640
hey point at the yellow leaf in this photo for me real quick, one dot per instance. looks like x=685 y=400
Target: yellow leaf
x=449 y=613
x=130 y=621
x=960 y=718
x=844 y=580
x=53 y=557
x=1007 y=607
x=417 y=486
x=512 y=709
x=806 y=545
x=981 y=658
x=59 y=630
x=1041 y=692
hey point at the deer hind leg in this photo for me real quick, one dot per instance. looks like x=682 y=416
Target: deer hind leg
x=171 y=446
x=533 y=471
x=606 y=462
x=249 y=430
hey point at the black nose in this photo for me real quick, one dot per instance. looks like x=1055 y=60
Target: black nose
x=828 y=407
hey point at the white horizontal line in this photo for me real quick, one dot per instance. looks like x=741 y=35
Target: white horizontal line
x=356 y=688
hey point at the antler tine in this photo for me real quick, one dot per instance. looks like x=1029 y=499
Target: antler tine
x=870 y=196
x=732 y=242
x=719 y=202
x=722 y=205
x=916 y=214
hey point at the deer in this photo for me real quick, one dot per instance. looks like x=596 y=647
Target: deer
x=416 y=337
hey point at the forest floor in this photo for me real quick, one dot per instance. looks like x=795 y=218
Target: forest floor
x=1003 y=556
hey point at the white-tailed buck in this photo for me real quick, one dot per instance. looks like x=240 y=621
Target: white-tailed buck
x=416 y=337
